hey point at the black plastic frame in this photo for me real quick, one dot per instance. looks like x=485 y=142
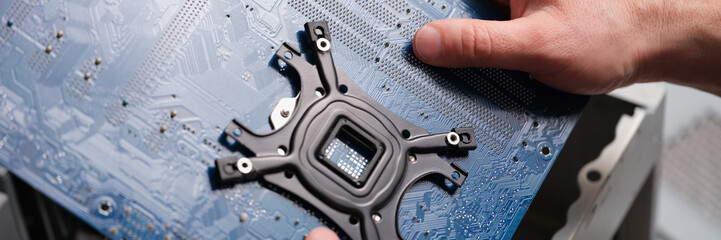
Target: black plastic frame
x=406 y=153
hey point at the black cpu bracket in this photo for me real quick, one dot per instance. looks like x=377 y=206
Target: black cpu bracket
x=331 y=106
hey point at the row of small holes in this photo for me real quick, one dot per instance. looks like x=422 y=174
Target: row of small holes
x=141 y=80
x=18 y=11
x=483 y=85
x=377 y=9
x=366 y=48
x=509 y=84
x=407 y=74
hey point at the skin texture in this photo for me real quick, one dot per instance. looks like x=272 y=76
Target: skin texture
x=584 y=46
x=590 y=46
x=321 y=233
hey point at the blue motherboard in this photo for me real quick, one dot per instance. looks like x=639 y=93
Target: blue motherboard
x=115 y=109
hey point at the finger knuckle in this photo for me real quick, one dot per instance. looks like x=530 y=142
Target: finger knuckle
x=477 y=43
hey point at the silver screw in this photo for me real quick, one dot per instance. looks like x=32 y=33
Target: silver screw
x=412 y=158
x=377 y=217
x=322 y=44
x=244 y=165
x=453 y=139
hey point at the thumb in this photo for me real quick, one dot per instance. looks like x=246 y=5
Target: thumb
x=514 y=44
x=321 y=233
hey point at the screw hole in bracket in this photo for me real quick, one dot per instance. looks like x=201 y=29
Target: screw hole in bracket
x=465 y=138
x=288 y=55
x=320 y=92
x=405 y=133
x=593 y=176
x=231 y=141
x=343 y=88
x=288 y=174
x=318 y=31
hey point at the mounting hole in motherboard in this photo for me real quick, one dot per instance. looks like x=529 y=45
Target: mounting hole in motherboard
x=455 y=175
x=105 y=208
x=545 y=150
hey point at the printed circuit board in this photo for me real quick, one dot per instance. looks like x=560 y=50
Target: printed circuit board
x=115 y=110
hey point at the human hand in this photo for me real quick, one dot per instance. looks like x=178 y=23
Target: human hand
x=587 y=47
x=321 y=233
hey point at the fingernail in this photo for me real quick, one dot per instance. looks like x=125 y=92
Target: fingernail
x=428 y=43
